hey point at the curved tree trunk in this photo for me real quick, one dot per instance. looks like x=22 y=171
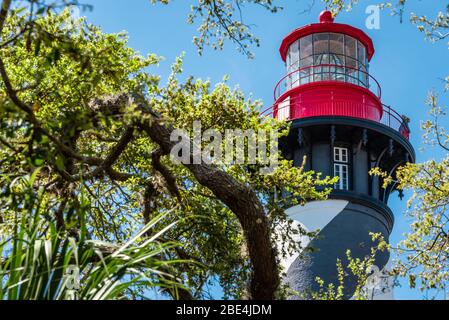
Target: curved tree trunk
x=246 y=206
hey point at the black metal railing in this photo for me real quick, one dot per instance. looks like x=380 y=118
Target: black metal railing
x=395 y=121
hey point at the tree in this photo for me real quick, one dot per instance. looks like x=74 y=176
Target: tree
x=425 y=248
x=83 y=107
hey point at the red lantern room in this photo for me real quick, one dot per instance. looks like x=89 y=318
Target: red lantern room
x=328 y=75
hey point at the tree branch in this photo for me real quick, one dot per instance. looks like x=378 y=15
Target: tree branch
x=245 y=204
x=170 y=180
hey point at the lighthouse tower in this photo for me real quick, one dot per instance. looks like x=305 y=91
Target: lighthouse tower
x=339 y=123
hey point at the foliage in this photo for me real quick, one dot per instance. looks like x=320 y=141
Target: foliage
x=425 y=248
x=38 y=262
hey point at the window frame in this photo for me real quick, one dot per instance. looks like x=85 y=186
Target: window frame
x=342 y=153
x=342 y=167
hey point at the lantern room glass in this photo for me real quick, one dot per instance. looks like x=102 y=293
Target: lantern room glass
x=327 y=56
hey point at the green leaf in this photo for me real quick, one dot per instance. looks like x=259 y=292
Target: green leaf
x=37 y=161
x=59 y=161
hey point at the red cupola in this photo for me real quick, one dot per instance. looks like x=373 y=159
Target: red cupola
x=328 y=75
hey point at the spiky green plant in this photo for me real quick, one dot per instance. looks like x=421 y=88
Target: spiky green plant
x=40 y=262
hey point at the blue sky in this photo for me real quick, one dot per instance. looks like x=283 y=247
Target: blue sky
x=406 y=65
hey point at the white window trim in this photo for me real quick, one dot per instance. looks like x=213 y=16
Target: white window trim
x=339 y=153
x=341 y=163
x=340 y=185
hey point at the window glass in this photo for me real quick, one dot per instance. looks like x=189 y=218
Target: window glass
x=337 y=59
x=363 y=77
x=341 y=154
x=321 y=56
x=337 y=170
x=350 y=47
x=361 y=53
x=344 y=177
x=320 y=43
x=319 y=59
x=337 y=156
x=321 y=73
x=305 y=75
x=306 y=62
x=287 y=63
x=306 y=46
x=344 y=155
x=293 y=63
x=351 y=58
x=351 y=63
x=337 y=70
x=341 y=167
x=336 y=42
x=342 y=172
x=327 y=56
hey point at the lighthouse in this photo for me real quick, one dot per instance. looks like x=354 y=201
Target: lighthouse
x=340 y=125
